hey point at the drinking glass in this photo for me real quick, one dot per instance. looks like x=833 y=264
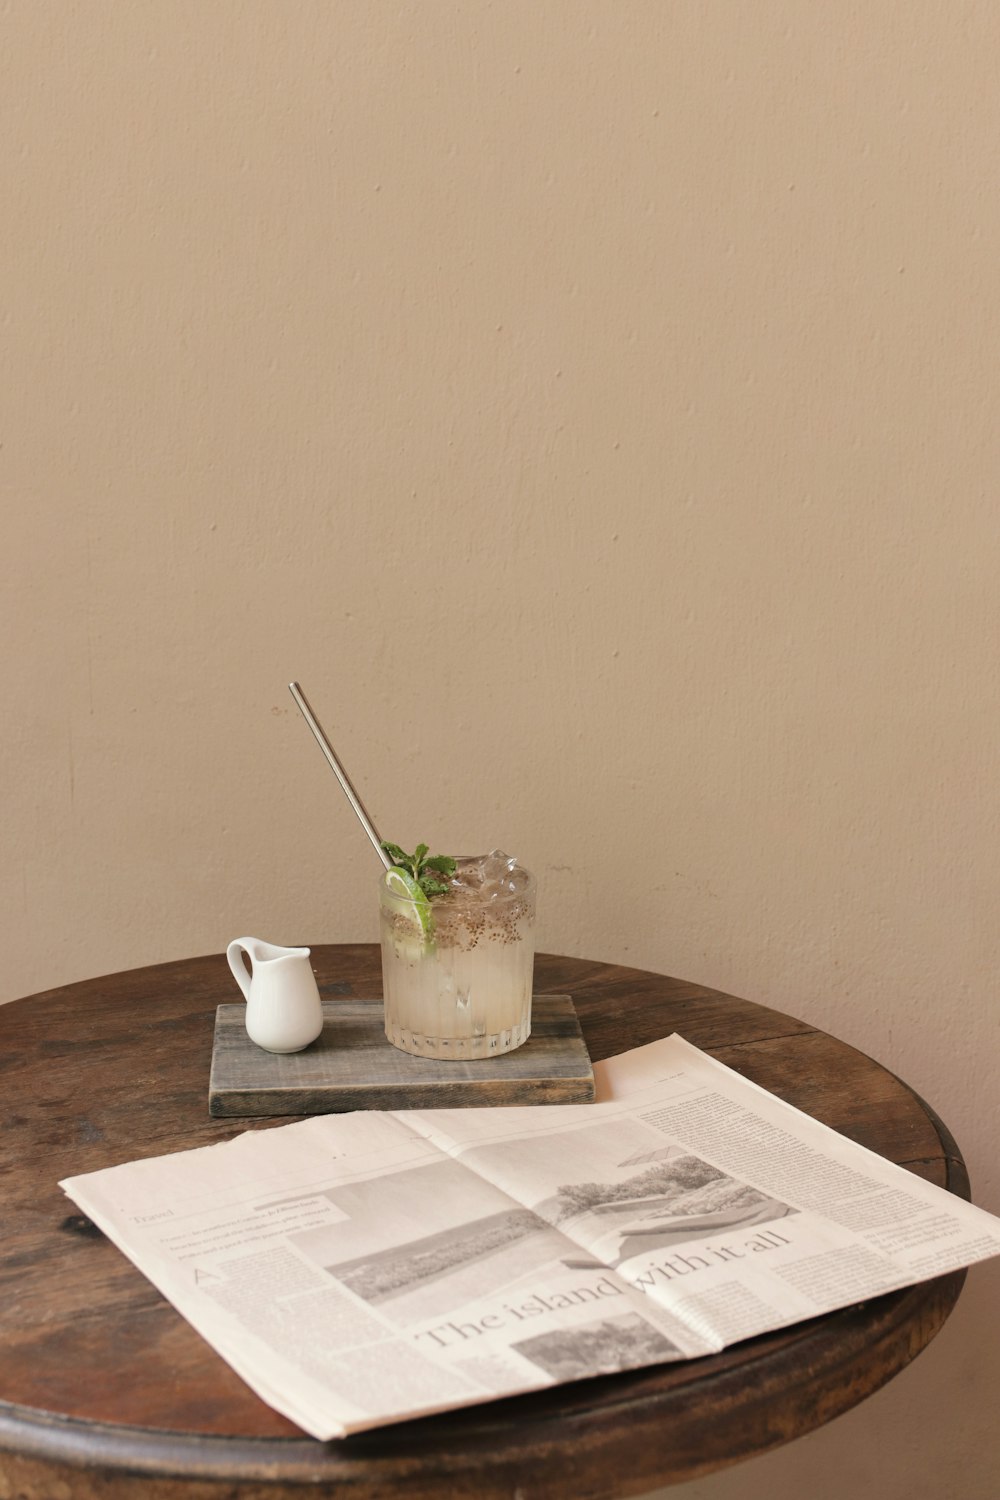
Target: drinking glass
x=459 y=984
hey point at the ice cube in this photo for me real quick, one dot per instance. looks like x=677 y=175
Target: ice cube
x=495 y=865
x=468 y=876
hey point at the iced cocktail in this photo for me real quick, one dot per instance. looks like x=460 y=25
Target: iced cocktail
x=457 y=965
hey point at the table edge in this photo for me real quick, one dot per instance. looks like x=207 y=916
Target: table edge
x=32 y=1433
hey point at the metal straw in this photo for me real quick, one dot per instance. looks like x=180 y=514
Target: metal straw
x=341 y=774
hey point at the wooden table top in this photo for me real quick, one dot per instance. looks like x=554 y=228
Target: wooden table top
x=106 y=1390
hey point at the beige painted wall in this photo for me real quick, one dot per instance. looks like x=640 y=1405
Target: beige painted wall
x=594 y=405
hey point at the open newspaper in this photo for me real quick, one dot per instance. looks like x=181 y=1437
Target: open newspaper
x=361 y=1269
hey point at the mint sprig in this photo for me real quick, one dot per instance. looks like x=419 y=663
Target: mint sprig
x=426 y=871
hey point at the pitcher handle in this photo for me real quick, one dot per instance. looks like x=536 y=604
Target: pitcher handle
x=234 y=953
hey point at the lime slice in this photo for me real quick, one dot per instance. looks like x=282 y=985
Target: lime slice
x=402 y=884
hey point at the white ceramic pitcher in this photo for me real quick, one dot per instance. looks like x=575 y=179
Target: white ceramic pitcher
x=284 y=1011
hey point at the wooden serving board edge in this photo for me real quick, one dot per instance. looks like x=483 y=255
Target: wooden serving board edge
x=565 y=1073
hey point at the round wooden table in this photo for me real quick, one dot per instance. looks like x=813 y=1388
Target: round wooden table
x=106 y=1391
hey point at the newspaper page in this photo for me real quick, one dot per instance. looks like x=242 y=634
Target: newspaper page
x=362 y=1269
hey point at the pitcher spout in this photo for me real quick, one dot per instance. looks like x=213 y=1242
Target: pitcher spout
x=269 y=953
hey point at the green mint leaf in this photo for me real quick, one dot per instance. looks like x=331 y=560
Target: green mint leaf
x=426 y=872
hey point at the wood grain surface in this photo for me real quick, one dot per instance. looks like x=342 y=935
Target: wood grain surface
x=353 y=1065
x=105 y=1391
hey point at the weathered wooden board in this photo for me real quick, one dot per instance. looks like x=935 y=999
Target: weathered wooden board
x=352 y=1065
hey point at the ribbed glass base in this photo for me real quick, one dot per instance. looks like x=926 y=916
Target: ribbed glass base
x=458 y=1048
